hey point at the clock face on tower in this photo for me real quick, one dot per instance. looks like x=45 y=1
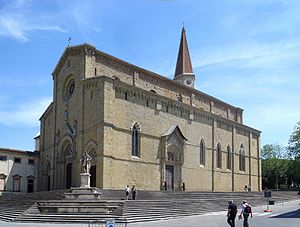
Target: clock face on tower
x=188 y=82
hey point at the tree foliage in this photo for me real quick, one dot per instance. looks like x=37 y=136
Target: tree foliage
x=281 y=166
x=275 y=165
x=294 y=172
x=294 y=142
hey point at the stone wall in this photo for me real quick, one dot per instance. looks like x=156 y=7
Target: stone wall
x=110 y=96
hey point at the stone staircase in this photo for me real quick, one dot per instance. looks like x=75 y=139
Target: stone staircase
x=149 y=206
x=14 y=204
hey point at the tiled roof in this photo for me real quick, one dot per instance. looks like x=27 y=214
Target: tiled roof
x=10 y=150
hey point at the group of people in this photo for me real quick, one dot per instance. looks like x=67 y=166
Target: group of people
x=246 y=211
x=131 y=191
x=247 y=188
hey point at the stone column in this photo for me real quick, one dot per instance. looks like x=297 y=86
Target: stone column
x=250 y=159
x=233 y=157
x=213 y=155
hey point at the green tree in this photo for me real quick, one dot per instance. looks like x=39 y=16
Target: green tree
x=294 y=172
x=294 y=142
x=275 y=165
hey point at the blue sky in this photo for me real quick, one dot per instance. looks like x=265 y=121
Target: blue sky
x=244 y=52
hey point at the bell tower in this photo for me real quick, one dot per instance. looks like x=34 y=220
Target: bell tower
x=184 y=70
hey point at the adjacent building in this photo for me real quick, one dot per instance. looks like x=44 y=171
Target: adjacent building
x=142 y=128
x=18 y=170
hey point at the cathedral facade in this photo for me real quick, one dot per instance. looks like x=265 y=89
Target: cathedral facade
x=142 y=128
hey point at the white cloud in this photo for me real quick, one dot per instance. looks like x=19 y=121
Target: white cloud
x=17 y=20
x=250 y=54
x=24 y=115
x=262 y=78
x=275 y=119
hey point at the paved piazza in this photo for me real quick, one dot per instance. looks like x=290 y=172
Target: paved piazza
x=282 y=215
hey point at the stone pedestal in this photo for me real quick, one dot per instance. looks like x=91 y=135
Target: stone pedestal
x=81 y=193
x=85 y=180
x=84 y=192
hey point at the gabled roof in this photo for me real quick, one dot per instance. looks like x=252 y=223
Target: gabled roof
x=172 y=129
x=184 y=64
x=46 y=111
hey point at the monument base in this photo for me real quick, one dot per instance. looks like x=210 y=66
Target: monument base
x=83 y=193
x=85 y=180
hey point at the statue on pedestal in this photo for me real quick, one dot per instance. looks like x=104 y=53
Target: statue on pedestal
x=85 y=162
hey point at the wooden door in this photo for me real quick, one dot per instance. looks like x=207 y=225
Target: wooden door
x=93 y=176
x=30 y=185
x=170 y=177
x=69 y=175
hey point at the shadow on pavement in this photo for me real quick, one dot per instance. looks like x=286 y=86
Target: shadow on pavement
x=292 y=214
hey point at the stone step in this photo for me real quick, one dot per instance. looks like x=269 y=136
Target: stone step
x=149 y=206
x=73 y=218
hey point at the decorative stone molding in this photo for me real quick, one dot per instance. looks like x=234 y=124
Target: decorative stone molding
x=69 y=51
x=158 y=106
x=137 y=126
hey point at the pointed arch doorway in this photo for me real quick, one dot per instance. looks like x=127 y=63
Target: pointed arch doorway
x=173 y=159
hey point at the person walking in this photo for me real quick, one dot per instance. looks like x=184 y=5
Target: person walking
x=133 y=192
x=231 y=213
x=127 y=191
x=246 y=211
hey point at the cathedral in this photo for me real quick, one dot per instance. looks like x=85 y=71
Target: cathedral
x=142 y=128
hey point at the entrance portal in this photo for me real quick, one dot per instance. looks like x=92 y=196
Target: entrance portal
x=169 y=177
x=30 y=185
x=173 y=158
x=68 y=175
x=93 y=176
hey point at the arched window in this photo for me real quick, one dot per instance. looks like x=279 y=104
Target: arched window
x=229 y=154
x=219 y=156
x=202 y=152
x=242 y=158
x=135 y=141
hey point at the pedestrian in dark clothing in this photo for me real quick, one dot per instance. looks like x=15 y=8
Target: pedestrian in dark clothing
x=133 y=192
x=231 y=213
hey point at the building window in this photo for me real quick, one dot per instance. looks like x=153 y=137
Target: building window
x=17 y=183
x=202 y=152
x=17 y=160
x=2 y=181
x=69 y=89
x=135 y=141
x=242 y=158
x=219 y=156
x=3 y=158
x=229 y=158
x=30 y=161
